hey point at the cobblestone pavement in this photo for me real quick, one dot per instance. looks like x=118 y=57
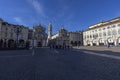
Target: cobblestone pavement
x=59 y=64
x=100 y=48
x=16 y=65
x=76 y=65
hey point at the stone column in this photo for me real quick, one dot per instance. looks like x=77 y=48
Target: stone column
x=115 y=42
x=91 y=43
x=105 y=42
x=97 y=43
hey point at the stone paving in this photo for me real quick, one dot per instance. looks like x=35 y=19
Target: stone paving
x=100 y=48
x=58 y=64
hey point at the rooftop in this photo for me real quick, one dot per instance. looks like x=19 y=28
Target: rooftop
x=104 y=23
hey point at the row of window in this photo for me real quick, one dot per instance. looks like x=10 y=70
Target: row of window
x=109 y=33
x=10 y=35
x=112 y=26
x=12 y=29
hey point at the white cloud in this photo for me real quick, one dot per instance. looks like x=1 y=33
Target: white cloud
x=37 y=6
x=18 y=20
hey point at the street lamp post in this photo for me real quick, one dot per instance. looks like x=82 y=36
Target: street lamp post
x=17 y=31
x=33 y=37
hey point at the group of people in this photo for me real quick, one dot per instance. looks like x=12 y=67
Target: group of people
x=59 y=46
x=109 y=45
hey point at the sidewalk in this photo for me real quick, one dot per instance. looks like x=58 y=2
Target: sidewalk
x=99 y=48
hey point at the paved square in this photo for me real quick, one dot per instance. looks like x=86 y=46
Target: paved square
x=59 y=64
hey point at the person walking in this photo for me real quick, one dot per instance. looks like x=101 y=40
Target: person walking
x=108 y=45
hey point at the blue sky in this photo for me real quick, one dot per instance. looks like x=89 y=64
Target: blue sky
x=72 y=14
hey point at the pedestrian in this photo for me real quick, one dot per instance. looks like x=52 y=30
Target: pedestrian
x=50 y=46
x=108 y=45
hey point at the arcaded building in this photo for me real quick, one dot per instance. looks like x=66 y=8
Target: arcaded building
x=103 y=33
x=12 y=35
x=76 y=38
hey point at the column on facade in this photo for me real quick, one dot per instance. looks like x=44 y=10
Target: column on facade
x=115 y=42
x=91 y=43
x=97 y=42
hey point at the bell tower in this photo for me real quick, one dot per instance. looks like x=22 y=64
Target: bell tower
x=49 y=31
x=49 y=34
